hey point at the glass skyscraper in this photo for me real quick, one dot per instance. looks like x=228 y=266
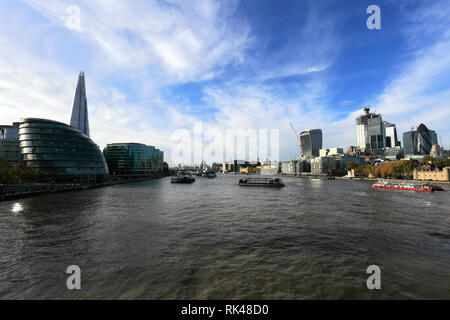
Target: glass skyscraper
x=420 y=141
x=409 y=139
x=79 y=119
x=311 y=142
x=370 y=131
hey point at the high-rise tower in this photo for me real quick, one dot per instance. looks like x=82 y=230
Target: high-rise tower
x=311 y=141
x=79 y=119
x=370 y=131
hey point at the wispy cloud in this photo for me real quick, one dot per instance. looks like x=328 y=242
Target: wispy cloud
x=172 y=40
x=420 y=91
x=135 y=53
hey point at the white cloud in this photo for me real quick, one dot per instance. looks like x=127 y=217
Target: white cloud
x=175 y=40
x=420 y=92
x=147 y=45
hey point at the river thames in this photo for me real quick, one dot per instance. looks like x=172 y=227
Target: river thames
x=313 y=239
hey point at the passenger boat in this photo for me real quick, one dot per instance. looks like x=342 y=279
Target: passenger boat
x=262 y=182
x=407 y=185
x=182 y=178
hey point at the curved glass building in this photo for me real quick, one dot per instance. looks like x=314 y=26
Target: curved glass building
x=311 y=141
x=60 y=151
x=424 y=140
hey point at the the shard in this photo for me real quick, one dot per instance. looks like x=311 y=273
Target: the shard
x=79 y=119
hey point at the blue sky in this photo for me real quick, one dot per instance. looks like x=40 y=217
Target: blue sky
x=156 y=66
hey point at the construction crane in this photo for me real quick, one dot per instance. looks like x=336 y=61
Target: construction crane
x=298 y=138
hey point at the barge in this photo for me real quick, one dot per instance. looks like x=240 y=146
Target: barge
x=407 y=185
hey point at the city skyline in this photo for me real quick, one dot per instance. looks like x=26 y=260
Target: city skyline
x=222 y=64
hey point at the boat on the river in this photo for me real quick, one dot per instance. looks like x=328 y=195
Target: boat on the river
x=261 y=182
x=182 y=177
x=205 y=171
x=407 y=185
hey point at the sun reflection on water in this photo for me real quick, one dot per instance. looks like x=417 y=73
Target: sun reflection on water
x=17 y=208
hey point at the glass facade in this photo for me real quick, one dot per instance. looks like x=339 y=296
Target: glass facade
x=370 y=131
x=311 y=141
x=9 y=143
x=10 y=151
x=424 y=140
x=133 y=159
x=79 y=119
x=409 y=139
x=420 y=141
x=59 y=151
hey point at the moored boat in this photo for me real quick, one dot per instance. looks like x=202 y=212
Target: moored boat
x=262 y=182
x=407 y=185
x=182 y=178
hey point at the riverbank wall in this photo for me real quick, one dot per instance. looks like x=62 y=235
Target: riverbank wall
x=8 y=192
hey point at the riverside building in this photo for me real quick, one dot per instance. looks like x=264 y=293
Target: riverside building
x=334 y=164
x=60 y=151
x=133 y=159
x=9 y=143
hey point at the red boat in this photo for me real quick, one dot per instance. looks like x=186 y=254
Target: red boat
x=407 y=185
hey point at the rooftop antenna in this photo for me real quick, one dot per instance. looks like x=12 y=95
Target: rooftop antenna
x=298 y=137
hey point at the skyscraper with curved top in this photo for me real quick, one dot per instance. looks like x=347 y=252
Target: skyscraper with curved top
x=79 y=119
x=311 y=141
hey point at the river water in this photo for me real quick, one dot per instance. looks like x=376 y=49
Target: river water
x=215 y=240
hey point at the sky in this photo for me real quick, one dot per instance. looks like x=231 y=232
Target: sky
x=153 y=67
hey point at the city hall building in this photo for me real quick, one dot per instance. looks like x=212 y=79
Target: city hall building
x=60 y=151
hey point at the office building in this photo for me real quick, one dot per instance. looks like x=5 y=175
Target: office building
x=420 y=141
x=409 y=139
x=311 y=142
x=333 y=165
x=370 y=131
x=234 y=165
x=10 y=151
x=296 y=166
x=424 y=141
x=60 y=151
x=133 y=159
x=9 y=143
x=330 y=152
x=434 y=138
x=79 y=119
x=391 y=135
x=9 y=132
